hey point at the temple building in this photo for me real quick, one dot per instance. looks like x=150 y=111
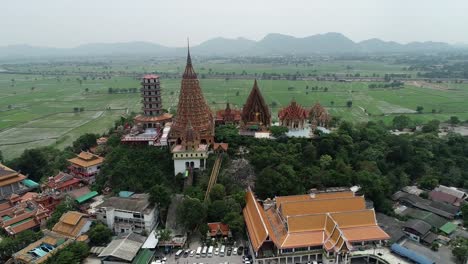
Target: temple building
x=62 y=182
x=190 y=154
x=192 y=108
x=228 y=116
x=318 y=116
x=18 y=214
x=256 y=115
x=12 y=182
x=323 y=227
x=85 y=166
x=153 y=125
x=293 y=116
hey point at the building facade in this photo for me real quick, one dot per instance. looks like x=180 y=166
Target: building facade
x=323 y=227
x=294 y=116
x=318 y=116
x=190 y=154
x=192 y=109
x=256 y=115
x=86 y=166
x=228 y=116
x=11 y=182
x=128 y=214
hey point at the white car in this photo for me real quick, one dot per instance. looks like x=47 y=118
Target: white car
x=192 y=253
x=234 y=251
x=216 y=252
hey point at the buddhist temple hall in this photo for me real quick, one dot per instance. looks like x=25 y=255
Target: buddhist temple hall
x=192 y=108
x=319 y=117
x=256 y=116
x=228 y=116
x=152 y=126
x=323 y=227
x=293 y=116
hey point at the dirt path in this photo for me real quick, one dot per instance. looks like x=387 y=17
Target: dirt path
x=434 y=86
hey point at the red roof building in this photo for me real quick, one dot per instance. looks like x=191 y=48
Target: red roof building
x=63 y=182
x=439 y=196
x=293 y=116
x=192 y=109
x=218 y=229
x=256 y=115
x=17 y=215
x=319 y=116
x=228 y=116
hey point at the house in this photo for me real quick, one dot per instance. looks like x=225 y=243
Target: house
x=123 y=249
x=323 y=227
x=218 y=229
x=17 y=215
x=438 y=208
x=86 y=166
x=128 y=214
x=419 y=231
x=71 y=227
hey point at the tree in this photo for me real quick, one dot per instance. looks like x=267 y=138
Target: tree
x=71 y=253
x=419 y=109
x=218 y=192
x=191 y=212
x=464 y=210
x=460 y=249
x=349 y=103
x=325 y=161
x=1 y=157
x=401 y=122
x=84 y=142
x=235 y=222
x=10 y=245
x=86 y=89
x=99 y=235
x=454 y=120
x=431 y=126
x=165 y=234
x=278 y=131
x=160 y=195
x=217 y=210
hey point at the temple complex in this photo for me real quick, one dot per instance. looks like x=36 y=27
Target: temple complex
x=319 y=116
x=228 y=116
x=293 y=116
x=153 y=125
x=256 y=115
x=323 y=227
x=18 y=214
x=192 y=108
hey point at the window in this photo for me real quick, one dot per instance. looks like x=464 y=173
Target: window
x=287 y=250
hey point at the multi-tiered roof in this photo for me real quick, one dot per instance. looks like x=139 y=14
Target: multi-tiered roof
x=192 y=108
x=293 y=112
x=256 y=111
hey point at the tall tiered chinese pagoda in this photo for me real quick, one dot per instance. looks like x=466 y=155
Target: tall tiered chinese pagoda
x=256 y=115
x=152 y=114
x=293 y=116
x=192 y=108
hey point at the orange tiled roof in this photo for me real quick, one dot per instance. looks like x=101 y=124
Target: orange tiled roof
x=217 y=227
x=317 y=206
x=86 y=159
x=9 y=176
x=330 y=219
x=70 y=223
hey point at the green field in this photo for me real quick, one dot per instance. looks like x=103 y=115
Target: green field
x=38 y=110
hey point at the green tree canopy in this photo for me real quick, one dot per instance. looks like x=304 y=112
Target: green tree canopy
x=160 y=195
x=191 y=212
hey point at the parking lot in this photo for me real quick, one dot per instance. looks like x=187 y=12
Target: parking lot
x=215 y=259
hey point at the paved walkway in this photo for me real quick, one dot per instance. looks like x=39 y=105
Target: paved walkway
x=386 y=255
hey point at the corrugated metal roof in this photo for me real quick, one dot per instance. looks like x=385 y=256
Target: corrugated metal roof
x=405 y=252
x=448 y=228
x=86 y=197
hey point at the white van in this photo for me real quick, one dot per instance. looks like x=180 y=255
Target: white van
x=198 y=254
x=203 y=253
x=179 y=253
x=210 y=252
x=223 y=249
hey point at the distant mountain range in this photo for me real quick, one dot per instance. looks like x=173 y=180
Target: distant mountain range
x=271 y=44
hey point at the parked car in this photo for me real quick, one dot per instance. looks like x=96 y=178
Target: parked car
x=234 y=251
x=192 y=253
x=216 y=252
x=239 y=250
x=229 y=251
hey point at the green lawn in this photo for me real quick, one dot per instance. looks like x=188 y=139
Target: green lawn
x=38 y=110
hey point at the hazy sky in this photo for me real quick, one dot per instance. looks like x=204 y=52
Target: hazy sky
x=68 y=23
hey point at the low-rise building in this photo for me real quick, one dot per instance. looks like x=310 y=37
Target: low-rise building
x=17 y=215
x=190 y=154
x=419 y=231
x=62 y=182
x=71 y=227
x=128 y=214
x=313 y=227
x=86 y=166
x=218 y=230
x=123 y=249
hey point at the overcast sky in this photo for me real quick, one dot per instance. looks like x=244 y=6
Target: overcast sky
x=68 y=23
